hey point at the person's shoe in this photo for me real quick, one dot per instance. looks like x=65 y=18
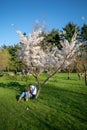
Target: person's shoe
x=19 y=99
x=27 y=108
x=26 y=99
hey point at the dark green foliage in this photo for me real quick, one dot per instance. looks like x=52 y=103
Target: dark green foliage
x=70 y=30
x=51 y=39
x=15 y=63
x=84 y=32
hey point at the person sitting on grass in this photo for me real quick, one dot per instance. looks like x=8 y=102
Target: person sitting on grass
x=31 y=93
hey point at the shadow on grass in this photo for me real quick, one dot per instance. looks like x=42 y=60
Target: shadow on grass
x=14 y=85
x=44 y=123
x=63 y=96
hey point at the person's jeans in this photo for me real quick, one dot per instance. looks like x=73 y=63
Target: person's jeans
x=26 y=95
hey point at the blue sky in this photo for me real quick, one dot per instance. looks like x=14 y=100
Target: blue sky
x=22 y=14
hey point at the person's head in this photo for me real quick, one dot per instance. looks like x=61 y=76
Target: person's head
x=32 y=86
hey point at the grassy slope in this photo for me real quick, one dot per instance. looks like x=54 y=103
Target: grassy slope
x=62 y=105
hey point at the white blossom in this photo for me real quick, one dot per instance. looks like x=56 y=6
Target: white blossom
x=35 y=57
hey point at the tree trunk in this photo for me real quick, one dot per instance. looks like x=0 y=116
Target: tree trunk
x=86 y=78
x=38 y=92
x=45 y=81
x=68 y=75
x=79 y=75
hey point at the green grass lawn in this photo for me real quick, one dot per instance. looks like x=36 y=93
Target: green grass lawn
x=61 y=105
